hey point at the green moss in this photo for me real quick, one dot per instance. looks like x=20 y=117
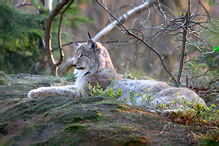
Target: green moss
x=107 y=101
x=5 y=143
x=114 y=110
x=76 y=127
x=136 y=140
x=91 y=99
x=2 y=128
x=30 y=131
x=207 y=141
x=78 y=115
x=46 y=113
x=123 y=107
x=78 y=119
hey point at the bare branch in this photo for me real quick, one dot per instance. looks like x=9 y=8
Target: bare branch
x=49 y=53
x=140 y=39
x=206 y=11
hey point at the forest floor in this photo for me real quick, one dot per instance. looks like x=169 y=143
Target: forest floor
x=94 y=120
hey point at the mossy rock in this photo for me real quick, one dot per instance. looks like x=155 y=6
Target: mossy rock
x=92 y=120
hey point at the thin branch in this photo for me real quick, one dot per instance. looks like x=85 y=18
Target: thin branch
x=59 y=35
x=206 y=11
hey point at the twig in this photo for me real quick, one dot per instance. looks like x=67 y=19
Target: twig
x=206 y=11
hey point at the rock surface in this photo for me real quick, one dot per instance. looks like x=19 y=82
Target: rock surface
x=86 y=121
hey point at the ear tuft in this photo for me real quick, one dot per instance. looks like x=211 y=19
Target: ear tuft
x=89 y=36
x=91 y=44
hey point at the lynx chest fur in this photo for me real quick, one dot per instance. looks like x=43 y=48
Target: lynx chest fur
x=93 y=66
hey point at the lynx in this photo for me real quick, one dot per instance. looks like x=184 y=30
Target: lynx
x=93 y=66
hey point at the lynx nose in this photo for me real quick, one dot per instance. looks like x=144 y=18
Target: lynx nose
x=74 y=65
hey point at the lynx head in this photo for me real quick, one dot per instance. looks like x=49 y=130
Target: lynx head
x=86 y=60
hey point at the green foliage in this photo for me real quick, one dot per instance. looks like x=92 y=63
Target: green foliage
x=147 y=98
x=200 y=74
x=211 y=2
x=109 y=92
x=195 y=113
x=212 y=33
x=202 y=71
x=73 y=17
x=131 y=96
x=20 y=34
x=199 y=115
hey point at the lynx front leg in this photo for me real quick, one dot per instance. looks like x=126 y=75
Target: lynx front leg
x=55 y=91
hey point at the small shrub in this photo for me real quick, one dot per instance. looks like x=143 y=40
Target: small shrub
x=109 y=92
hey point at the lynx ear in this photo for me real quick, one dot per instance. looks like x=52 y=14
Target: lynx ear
x=91 y=44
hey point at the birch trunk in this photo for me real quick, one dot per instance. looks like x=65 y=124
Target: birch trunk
x=48 y=4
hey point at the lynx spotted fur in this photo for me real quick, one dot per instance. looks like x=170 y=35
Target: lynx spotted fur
x=93 y=65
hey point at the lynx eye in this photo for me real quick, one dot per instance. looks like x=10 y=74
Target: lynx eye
x=81 y=55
